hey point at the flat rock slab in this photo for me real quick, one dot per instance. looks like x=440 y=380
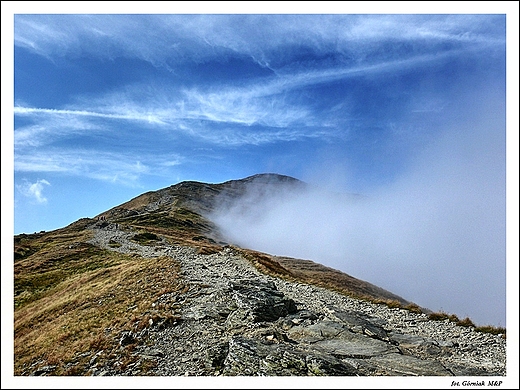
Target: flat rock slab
x=335 y=338
x=360 y=323
x=397 y=364
x=355 y=346
x=409 y=340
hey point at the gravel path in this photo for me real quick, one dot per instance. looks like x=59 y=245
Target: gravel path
x=185 y=349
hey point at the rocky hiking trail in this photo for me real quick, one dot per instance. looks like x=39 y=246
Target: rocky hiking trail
x=237 y=321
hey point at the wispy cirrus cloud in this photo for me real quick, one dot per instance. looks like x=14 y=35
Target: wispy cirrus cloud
x=48 y=127
x=190 y=112
x=230 y=138
x=456 y=28
x=129 y=115
x=166 y=40
x=266 y=109
x=111 y=167
x=349 y=46
x=267 y=101
x=34 y=191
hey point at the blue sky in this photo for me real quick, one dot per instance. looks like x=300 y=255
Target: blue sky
x=109 y=106
x=392 y=106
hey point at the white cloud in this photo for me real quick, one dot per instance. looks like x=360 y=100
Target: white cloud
x=190 y=112
x=50 y=127
x=34 y=190
x=123 y=168
x=268 y=102
x=168 y=40
x=127 y=115
x=165 y=40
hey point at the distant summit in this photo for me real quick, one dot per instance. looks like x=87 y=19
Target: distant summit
x=269 y=178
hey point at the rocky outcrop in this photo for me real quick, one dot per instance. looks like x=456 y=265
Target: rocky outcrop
x=238 y=321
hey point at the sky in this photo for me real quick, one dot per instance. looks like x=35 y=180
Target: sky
x=107 y=107
x=408 y=110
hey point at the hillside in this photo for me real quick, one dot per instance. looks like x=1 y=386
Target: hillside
x=151 y=287
x=179 y=212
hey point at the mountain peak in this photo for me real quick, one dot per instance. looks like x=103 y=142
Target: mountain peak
x=271 y=178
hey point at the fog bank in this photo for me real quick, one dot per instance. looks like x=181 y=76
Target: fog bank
x=435 y=236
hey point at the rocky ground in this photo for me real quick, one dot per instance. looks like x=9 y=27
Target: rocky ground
x=238 y=321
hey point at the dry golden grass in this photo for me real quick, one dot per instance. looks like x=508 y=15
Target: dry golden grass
x=267 y=264
x=442 y=316
x=136 y=203
x=71 y=301
x=492 y=329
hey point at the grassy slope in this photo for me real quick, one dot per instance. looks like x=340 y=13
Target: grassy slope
x=73 y=300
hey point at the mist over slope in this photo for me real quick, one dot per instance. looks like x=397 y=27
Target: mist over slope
x=436 y=235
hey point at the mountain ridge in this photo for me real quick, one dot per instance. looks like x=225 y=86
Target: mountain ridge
x=150 y=287
x=196 y=200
